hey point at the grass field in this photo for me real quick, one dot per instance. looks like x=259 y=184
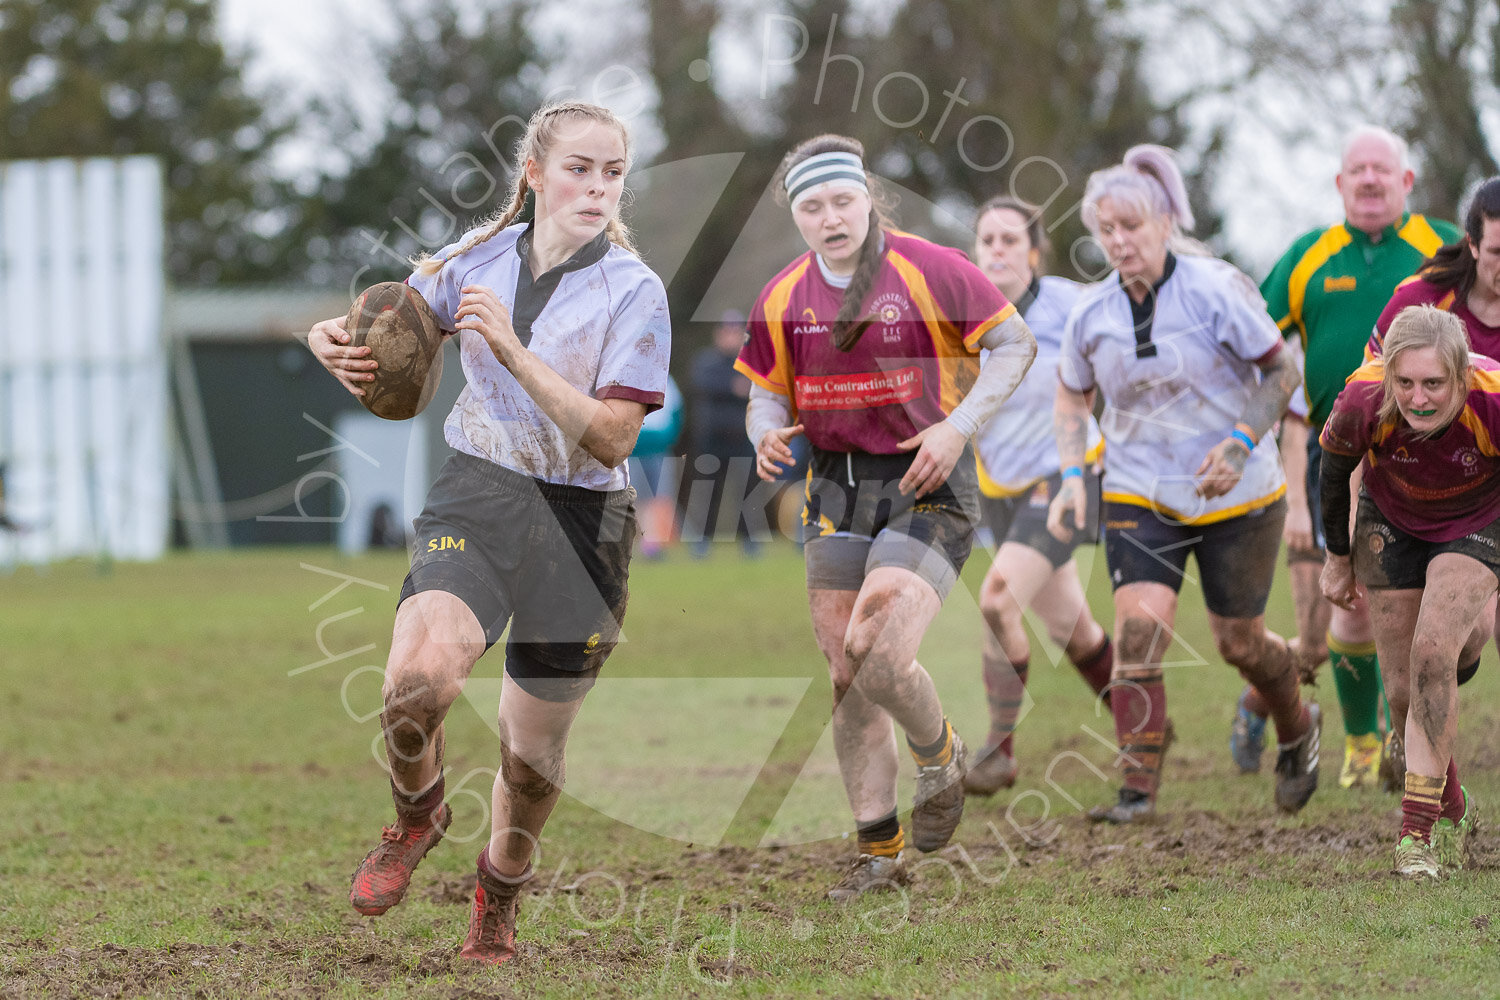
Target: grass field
x=188 y=776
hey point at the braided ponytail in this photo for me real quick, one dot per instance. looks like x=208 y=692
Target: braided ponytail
x=427 y=264
x=849 y=326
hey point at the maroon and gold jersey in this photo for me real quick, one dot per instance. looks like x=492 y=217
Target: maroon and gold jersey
x=1483 y=339
x=1438 y=488
x=916 y=361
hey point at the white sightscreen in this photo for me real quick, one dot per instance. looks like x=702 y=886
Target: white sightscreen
x=83 y=390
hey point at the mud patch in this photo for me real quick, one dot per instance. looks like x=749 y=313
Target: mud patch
x=675 y=910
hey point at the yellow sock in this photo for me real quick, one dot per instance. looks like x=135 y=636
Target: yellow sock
x=889 y=848
x=939 y=752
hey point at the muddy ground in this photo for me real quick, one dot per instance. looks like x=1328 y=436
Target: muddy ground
x=1152 y=861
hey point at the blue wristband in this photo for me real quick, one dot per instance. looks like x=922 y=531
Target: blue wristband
x=1071 y=470
x=1243 y=439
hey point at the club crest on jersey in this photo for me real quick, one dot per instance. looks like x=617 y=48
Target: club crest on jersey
x=1469 y=459
x=890 y=309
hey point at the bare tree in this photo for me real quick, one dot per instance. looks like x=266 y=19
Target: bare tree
x=1424 y=68
x=1454 y=52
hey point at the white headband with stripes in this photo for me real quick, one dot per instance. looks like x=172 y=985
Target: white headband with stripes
x=843 y=170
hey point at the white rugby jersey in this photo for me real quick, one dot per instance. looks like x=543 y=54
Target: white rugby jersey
x=1016 y=448
x=600 y=321
x=1169 y=400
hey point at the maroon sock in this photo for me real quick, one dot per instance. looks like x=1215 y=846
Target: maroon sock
x=1420 y=806
x=1005 y=688
x=1098 y=667
x=418 y=811
x=1140 y=711
x=1453 y=804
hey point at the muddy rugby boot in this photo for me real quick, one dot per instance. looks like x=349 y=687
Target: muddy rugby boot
x=1134 y=806
x=382 y=877
x=870 y=873
x=1451 y=841
x=1392 y=772
x=939 y=800
x=994 y=770
x=1297 y=765
x=1415 y=859
x=1247 y=738
x=492 y=921
x=1361 y=760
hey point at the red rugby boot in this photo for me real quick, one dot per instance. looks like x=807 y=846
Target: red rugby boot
x=381 y=879
x=492 y=921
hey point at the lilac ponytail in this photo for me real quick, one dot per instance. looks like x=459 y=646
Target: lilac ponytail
x=1159 y=164
x=1147 y=180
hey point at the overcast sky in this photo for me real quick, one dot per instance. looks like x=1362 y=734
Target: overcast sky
x=1268 y=193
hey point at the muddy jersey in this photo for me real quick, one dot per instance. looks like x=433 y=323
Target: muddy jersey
x=1176 y=392
x=1483 y=338
x=914 y=363
x=599 y=320
x=1437 y=488
x=1017 y=447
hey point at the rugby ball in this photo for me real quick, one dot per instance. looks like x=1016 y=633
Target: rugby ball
x=402 y=333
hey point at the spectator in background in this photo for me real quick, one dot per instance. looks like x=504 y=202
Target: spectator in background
x=722 y=456
x=6 y=524
x=385 y=528
x=655 y=472
x=1328 y=289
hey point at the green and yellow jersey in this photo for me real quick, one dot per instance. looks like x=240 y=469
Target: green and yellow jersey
x=1330 y=288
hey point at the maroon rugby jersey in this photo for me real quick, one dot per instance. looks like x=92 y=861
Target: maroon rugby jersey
x=1483 y=339
x=910 y=368
x=1438 y=488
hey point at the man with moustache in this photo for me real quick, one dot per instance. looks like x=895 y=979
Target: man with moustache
x=1328 y=289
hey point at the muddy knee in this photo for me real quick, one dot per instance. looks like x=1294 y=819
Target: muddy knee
x=1142 y=640
x=411 y=725
x=416 y=701
x=1241 y=650
x=531 y=774
x=859 y=642
x=1002 y=619
x=995 y=602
